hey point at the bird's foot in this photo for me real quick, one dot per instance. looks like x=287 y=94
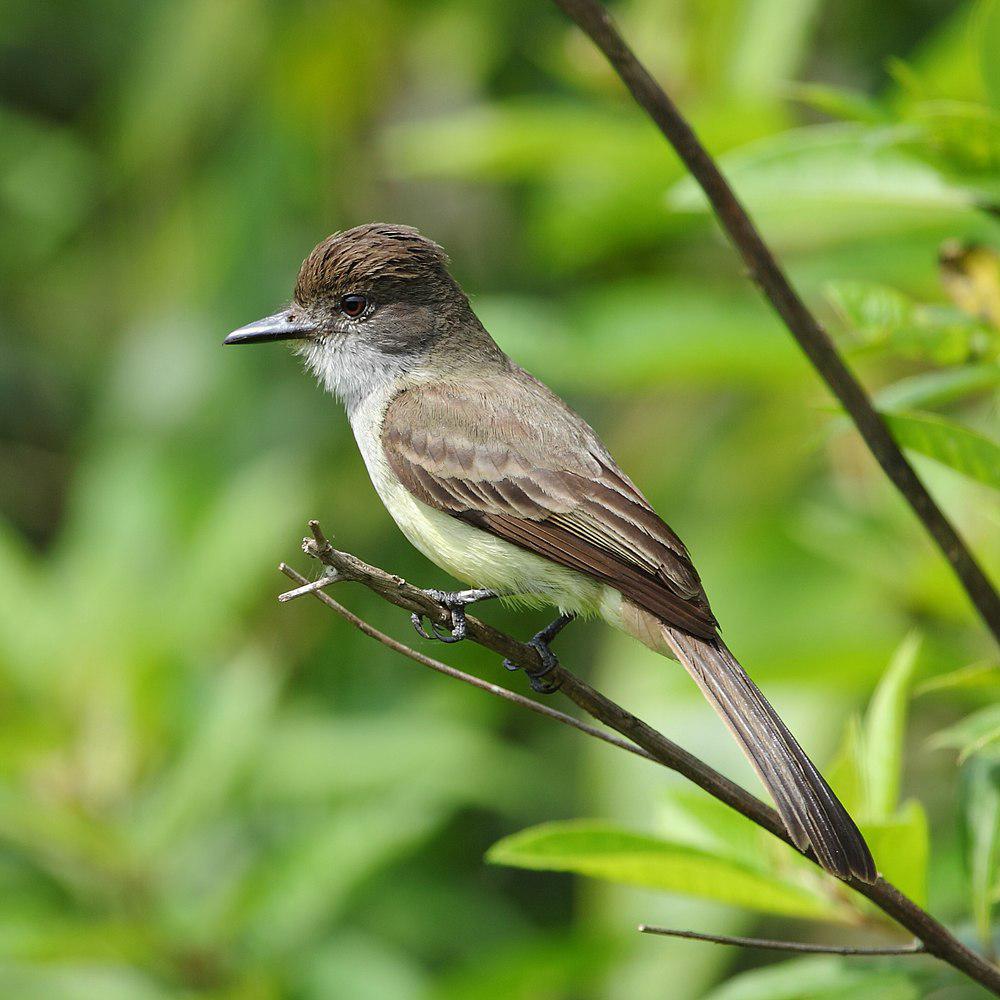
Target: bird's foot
x=540 y=641
x=455 y=602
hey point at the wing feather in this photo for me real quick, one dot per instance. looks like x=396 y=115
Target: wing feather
x=547 y=485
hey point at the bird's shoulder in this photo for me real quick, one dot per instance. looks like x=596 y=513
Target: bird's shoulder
x=476 y=421
x=506 y=453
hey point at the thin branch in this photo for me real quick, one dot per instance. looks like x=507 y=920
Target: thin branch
x=397 y=591
x=306 y=588
x=442 y=668
x=765 y=270
x=916 y=948
x=936 y=938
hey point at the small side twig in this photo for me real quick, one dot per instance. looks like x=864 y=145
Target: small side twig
x=916 y=948
x=306 y=588
x=443 y=668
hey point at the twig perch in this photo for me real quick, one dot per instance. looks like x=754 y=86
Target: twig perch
x=765 y=270
x=641 y=738
x=442 y=668
x=916 y=948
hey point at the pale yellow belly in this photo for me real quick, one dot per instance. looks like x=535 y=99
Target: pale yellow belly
x=483 y=560
x=476 y=557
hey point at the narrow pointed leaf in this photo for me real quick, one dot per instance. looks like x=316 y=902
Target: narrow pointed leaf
x=958 y=447
x=602 y=851
x=974 y=733
x=885 y=731
x=936 y=388
x=901 y=849
x=975 y=675
x=981 y=802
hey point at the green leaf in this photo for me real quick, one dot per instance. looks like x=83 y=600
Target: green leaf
x=975 y=675
x=901 y=848
x=975 y=732
x=845 y=771
x=869 y=309
x=885 y=731
x=867 y=772
x=960 y=139
x=599 y=850
x=774 y=38
x=883 y=318
x=935 y=388
x=867 y=769
x=839 y=102
x=692 y=817
x=981 y=802
x=826 y=978
x=828 y=167
x=958 y=447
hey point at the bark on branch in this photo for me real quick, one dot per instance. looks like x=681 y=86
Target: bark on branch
x=766 y=944
x=641 y=738
x=764 y=269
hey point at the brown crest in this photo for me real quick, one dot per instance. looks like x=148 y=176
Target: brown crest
x=375 y=254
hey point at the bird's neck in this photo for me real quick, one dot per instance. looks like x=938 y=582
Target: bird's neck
x=356 y=371
x=353 y=371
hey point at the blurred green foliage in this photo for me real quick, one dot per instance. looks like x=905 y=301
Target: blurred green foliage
x=203 y=795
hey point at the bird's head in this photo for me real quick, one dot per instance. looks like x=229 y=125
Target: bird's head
x=368 y=300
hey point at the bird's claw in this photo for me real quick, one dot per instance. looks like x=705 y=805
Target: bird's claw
x=538 y=678
x=455 y=603
x=457 y=632
x=417 y=621
x=540 y=642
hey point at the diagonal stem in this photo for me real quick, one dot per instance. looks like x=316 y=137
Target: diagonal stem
x=765 y=270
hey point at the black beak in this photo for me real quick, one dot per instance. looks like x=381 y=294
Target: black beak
x=280 y=326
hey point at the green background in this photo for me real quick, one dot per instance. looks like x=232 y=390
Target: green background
x=206 y=794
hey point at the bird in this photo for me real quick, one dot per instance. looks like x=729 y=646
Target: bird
x=496 y=480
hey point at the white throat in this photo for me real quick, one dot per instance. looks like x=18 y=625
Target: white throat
x=353 y=369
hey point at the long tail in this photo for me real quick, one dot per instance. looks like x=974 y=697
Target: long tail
x=811 y=812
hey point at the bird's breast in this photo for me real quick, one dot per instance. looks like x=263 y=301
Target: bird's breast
x=468 y=553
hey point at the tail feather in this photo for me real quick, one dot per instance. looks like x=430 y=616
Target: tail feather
x=812 y=813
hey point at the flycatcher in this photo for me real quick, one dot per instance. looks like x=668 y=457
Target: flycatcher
x=497 y=481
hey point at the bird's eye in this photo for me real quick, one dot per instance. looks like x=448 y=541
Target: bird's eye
x=353 y=305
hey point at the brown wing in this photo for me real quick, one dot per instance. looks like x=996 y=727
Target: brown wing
x=515 y=461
